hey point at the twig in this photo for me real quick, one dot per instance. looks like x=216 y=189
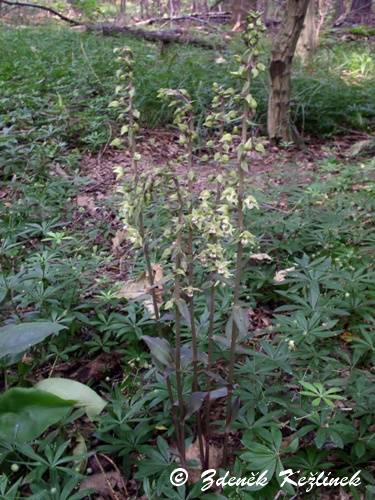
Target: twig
x=111 y=490
x=41 y=7
x=117 y=470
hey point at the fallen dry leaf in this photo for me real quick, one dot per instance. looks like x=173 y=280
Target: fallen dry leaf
x=86 y=201
x=59 y=171
x=102 y=483
x=260 y=257
x=117 y=240
x=348 y=336
x=192 y=454
x=281 y=275
x=141 y=290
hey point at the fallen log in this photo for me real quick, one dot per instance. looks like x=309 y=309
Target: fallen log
x=165 y=37
x=202 y=17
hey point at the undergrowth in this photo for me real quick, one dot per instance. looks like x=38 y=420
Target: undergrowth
x=55 y=85
x=304 y=367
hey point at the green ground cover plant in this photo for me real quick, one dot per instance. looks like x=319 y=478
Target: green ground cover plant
x=258 y=362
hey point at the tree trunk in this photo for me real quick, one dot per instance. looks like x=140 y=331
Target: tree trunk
x=309 y=38
x=280 y=70
x=339 y=9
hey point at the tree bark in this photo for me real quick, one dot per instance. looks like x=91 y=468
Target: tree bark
x=309 y=38
x=240 y=9
x=165 y=37
x=279 y=127
x=339 y=9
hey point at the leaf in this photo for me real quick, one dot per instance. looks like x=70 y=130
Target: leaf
x=215 y=456
x=26 y=413
x=80 y=451
x=104 y=483
x=241 y=320
x=360 y=448
x=83 y=396
x=235 y=408
x=86 y=201
x=18 y=338
x=314 y=293
x=281 y=275
x=260 y=257
x=195 y=401
x=320 y=438
x=184 y=311
x=116 y=143
x=160 y=349
x=260 y=458
x=141 y=290
x=117 y=240
x=364 y=146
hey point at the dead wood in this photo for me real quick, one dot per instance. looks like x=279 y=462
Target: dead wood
x=165 y=37
x=41 y=7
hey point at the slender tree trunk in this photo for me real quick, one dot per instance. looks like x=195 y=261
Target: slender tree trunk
x=339 y=9
x=240 y=9
x=309 y=38
x=280 y=70
x=122 y=8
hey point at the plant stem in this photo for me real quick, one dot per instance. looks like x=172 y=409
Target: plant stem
x=238 y=274
x=177 y=298
x=190 y=256
x=210 y=333
x=180 y=398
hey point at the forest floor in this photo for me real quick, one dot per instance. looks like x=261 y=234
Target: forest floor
x=65 y=257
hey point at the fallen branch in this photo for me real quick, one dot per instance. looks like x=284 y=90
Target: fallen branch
x=41 y=7
x=166 y=37
x=198 y=17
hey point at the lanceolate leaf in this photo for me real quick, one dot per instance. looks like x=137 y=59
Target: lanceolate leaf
x=196 y=399
x=82 y=395
x=241 y=320
x=160 y=349
x=18 y=338
x=26 y=413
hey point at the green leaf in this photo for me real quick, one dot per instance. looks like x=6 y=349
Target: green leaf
x=160 y=349
x=240 y=317
x=116 y=142
x=184 y=311
x=26 y=413
x=309 y=387
x=260 y=457
x=360 y=448
x=18 y=338
x=320 y=438
x=82 y=395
